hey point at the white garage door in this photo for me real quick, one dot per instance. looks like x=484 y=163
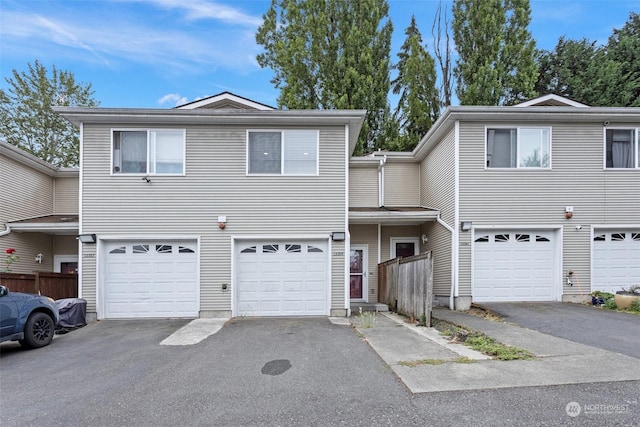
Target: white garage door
x=151 y=279
x=282 y=278
x=513 y=266
x=616 y=260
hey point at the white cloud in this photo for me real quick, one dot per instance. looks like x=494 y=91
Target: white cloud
x=173 y=98
x=202 y=9
x=173 y=47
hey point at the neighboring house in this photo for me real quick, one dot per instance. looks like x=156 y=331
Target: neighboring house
x=535 y=202
x=227 y=207
x=222 y=207
x=38 y=213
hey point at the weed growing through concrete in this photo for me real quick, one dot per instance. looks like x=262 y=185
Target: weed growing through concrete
x=414 y=363
x=481 y=342
x=367 y=318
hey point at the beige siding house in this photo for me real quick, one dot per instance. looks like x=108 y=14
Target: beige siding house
x=223 y=207
x=38 y=213
x=536 y=202
x=227 y=207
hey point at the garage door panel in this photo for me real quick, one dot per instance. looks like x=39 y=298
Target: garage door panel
x=151 y=279
x=616 y=259
x=513 y=266
x=282 y=278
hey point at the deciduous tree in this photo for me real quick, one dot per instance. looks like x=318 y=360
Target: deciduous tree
x=496 y=64
x=331 y=54
x=28 y=121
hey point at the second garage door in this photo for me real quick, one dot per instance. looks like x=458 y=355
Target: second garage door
x=513 y=266
x=282 y=278
x=616 y=260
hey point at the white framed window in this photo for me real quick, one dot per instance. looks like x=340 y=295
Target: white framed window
x=518 y=148
x=621 y=149
x=286 y=152
x=148 y=152
x=404 y=246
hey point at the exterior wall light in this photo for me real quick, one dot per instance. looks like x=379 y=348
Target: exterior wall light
x=87 y=238
x=465 y=225
x=338 y=236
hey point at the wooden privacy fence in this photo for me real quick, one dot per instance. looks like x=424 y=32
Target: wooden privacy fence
x=53 y=285
x=406 y=285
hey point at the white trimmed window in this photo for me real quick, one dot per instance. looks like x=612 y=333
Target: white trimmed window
x=287 y=152
x=520 y=147
x=621 y=149
x=149 y=152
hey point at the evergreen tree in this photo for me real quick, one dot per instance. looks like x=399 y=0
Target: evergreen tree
x=496 y=64
x=331 y=54
x=28 y=121
x=419 y=103
x=623 y=57
x=569 y=70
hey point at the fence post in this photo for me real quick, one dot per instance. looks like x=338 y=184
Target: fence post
x=37 y=283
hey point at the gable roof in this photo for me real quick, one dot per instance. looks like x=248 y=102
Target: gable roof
x=551 y=100
x=225 y=101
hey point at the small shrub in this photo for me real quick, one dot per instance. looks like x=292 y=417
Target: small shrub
x=635 y=306
x=423 y=320
x=610 y=304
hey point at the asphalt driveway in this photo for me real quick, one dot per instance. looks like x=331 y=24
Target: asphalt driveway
x=596 y=327
x=252 y=372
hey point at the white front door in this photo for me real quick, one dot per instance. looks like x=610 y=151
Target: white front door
x=153 y=279
x=616 y=260
x=514 y=266
x=358 y=286
x=282 y=278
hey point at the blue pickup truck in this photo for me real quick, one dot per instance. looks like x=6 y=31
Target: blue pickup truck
x=27 y=318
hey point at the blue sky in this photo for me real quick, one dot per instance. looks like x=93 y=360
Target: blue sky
x=160 y=53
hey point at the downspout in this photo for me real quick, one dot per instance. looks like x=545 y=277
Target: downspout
x=454 y=276
x=347 y=242
x=5 y=232
x=383 y=161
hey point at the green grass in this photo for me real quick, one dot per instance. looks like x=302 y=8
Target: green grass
x=414 y=363
x=482 y=343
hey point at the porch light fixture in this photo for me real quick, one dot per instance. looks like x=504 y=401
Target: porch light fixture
x=465 y=225
x=87 y=238
x=338 y=236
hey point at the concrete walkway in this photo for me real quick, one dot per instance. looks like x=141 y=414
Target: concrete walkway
x=407 y=348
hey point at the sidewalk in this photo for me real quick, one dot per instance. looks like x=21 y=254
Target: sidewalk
x=558 y=361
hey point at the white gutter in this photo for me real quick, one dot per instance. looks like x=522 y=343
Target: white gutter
x=454 y=275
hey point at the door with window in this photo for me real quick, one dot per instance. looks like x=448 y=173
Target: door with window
x=404 y=247
x=358 y=280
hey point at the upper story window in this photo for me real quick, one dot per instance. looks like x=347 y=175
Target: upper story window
x=149 y=152
x=288 y=152
x=621 y=149
x=519 y=148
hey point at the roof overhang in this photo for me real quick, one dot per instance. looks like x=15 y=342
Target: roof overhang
x=204 y=116
x=67 y=225
x=35 y=163
x=392 y=216
x=535 y=114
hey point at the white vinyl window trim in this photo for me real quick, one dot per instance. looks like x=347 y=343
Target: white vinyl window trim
x=621 y=148
x=148 y=151
x=282 y=152
x=511 y=147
